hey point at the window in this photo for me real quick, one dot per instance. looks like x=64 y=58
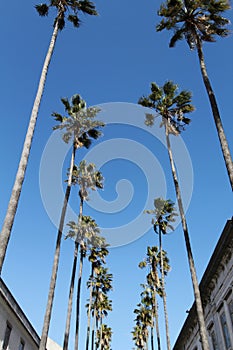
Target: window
x=214 y=340
x=21 y=344
x=230 y=305
x=225 y=330
x=6 y=336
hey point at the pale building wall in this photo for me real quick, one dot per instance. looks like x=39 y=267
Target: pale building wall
x=21 y=329
x=216 y=289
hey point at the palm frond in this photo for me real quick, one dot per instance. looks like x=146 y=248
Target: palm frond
x=88 y=7
x=42 y=9
x=74 y=20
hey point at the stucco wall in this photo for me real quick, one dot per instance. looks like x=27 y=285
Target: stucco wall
x=18 y=332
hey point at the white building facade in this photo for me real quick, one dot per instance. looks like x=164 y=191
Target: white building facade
x=216 y=289
x=16 y=332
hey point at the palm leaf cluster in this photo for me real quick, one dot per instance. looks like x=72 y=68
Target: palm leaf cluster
x=169 y=104
x=80 y=124
x=73 y=7
x=189 y=19
x=87 y=177
x=163 y=214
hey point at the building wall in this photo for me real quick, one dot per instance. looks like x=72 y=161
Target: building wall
x=220 y=307
x=18 y=332
x=22 y=331
x=216 y=290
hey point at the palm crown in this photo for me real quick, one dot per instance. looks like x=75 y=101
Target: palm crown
x=170 y=104
x=164 y=213
x=87 y=177
x=80 y=123
x=191 y=20
x=86 y=232
x=62 y=6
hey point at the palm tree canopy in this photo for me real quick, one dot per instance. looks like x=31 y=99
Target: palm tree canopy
x=153 y=261
x=164 y=213
x=87 y=177
x=80 y=124
x=189 y=18
x=169 y=104
x=86 y=232
x=62 y=6
x=106 y=333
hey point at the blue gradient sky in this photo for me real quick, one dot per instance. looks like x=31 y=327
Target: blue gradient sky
x=111 y=58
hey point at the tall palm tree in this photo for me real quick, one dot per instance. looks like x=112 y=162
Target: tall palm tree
x=106 y=336
x=80 y=127
x=143 y=321
x=100 y=303
x=147 y=299
x=73 y=7
x=139 y=336
x=97 y=259
x=173 y=107
x=88 y=235
x=88 y=178
x=164 y=213
x=198 y=22
x=152 y=260
x=103 y=305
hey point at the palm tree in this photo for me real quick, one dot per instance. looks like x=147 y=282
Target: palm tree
x=139 y=336
x=99 y=302
x=196 y=22
x=143 y=321
x=164 y=213
x=80 y=127
x=153 y=260
x=62 y=7
x=97 y=259
x=88 y=235
x=88 y=178
x=148 y=300
x=173 y=108
x=106 y=337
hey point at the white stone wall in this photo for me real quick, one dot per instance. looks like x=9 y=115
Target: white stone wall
x=17 y=333
x=19 y=330
x=217 y=294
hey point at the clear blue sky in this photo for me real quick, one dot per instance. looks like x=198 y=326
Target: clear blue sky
x=111 y=58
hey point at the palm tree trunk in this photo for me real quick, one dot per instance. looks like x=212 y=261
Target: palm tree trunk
x=53 y=279
x=93 y=332
x=78 y=299
x=197 y=295
x=101 y=333
x=89 y=311
x=163 y=292
x=152 y=338
x=17 y=188
x=217 y=119
x=96 y=327
x=70 y=301
x=156 y=320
